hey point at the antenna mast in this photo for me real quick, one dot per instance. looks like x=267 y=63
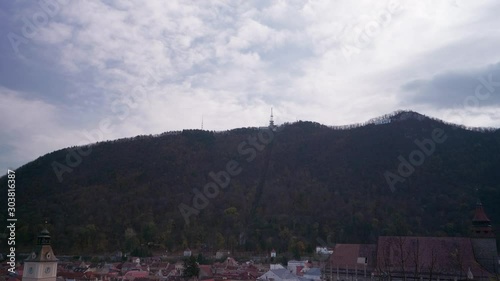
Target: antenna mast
x=271 y=121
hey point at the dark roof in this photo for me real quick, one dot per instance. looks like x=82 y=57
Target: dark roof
x=42 y=253
x=313 y=271
x=479 y=214
x=283 y=273
x=446 y=255
x=347 y=255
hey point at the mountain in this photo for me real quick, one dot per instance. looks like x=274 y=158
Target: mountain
x=256 y=189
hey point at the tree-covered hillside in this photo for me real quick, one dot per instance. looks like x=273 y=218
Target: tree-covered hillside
x=287 y=188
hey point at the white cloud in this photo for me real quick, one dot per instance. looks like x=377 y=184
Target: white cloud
x=30 y=128
x=231 y=61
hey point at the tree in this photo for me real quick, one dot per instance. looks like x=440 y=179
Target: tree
x=149 y=232
x=432 y=267
x=385 y=267
x=403 y=255
x=457 y=259
x=200 y=259
x=191 y=268
x=415 y=252
x=284 y=260
x=221 y=242
x=131 y=241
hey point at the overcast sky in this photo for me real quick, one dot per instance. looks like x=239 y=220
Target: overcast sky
x=75 y=72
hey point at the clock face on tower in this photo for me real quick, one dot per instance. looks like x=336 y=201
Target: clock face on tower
x=47 y=270
x=30 y=270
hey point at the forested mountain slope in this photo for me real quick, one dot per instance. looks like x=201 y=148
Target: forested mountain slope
x=310 y=181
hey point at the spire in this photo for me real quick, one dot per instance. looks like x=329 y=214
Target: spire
x=202 y=122
x=481 y=223
x=43 y=251
x=480 y=214
x=43 y=237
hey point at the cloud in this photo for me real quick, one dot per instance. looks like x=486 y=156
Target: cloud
x=334 y=62
x=457 y=89
x=30 y=128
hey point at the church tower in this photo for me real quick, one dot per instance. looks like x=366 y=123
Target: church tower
x=483 y=240
x=481 y=224
x=41 y=265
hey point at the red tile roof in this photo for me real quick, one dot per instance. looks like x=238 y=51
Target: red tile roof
x=205 y=270
x=479 y=214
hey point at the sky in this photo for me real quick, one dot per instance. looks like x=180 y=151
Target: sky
x=79 y=72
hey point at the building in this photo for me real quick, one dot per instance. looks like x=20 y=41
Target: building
x=273 y=253
x=351 y=261
x=441 y=258
x=296 y=267
x=428 y=258
x=484 y=242
x=276 y=266
x=135 y=274
x=41 y=265
x=313 y=274
x=278 y=275
x=220 y=254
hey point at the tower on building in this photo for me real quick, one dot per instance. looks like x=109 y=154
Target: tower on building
x=484 y=242
x=273 y=253
x=481 y=224
x=41 y=265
